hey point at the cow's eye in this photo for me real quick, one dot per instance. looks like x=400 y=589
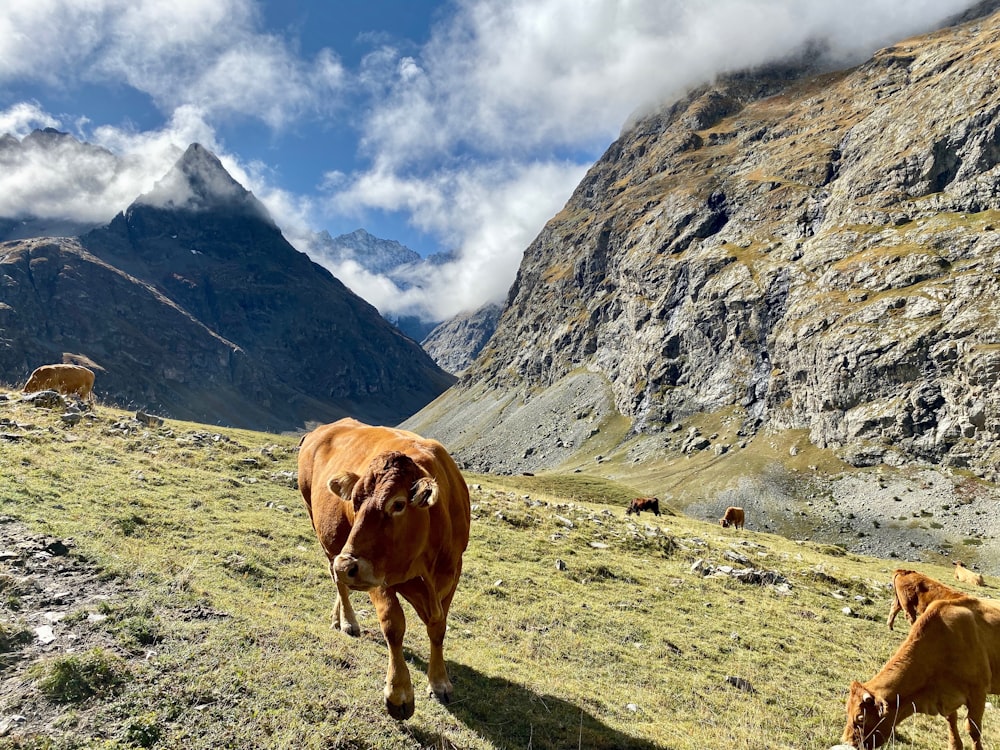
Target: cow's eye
x=397 y=506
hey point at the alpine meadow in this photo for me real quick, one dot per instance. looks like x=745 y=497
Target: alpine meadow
x=740 y=403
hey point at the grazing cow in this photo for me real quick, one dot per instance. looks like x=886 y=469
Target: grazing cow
x=67 y=379
x=640 y=504
x=913 y=592
x=965 y=575
x=732 y=517
x=391 y=511
x=950 y=658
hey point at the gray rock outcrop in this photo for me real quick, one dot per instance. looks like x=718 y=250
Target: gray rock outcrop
x=817 y=252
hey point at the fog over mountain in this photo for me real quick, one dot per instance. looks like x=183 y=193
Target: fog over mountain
x=472 y=139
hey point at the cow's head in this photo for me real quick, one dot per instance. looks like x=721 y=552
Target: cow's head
x=868 y=722
x=391 y=520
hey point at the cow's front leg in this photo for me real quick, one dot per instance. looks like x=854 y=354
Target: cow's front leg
x=974 y=722
x=343 y=613
x=398 y=688
x=954 y=739
x=437 y=672
x=433 y=611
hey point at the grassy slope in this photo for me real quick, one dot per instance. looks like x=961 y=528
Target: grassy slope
x=625 y=647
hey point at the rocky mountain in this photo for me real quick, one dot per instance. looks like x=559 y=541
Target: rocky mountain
x=455 y=343
x=785 y=249
x=381 y=257
x=374 y=254
x=192 y=303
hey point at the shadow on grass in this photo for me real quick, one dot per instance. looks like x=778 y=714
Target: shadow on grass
x=512 y=715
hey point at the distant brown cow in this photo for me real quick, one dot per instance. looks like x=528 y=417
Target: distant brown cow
x=913 y=592
x=67 y=379
x=644 y=503
x=391 y=510
x=965 y=575
x=950 y=658
x=732 y=517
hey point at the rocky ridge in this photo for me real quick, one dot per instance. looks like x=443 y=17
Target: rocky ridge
x=797 y=248
x=378 y=256
x=456 y=342
x=404 y=267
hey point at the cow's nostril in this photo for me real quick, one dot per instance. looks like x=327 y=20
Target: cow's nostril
x=352 y=572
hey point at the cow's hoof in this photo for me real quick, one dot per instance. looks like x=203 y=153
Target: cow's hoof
x=401 y=712
x=352 y=630
x=442 y=697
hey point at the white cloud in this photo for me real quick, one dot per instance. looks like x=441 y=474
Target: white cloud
x=200 y=61
x=41 y=39
x=262 y=78
x=490 y=213
x=24 y=117
x=461 y=136
x=89 y=184
x=206 y=53
x=515 y=75
x=478 y=138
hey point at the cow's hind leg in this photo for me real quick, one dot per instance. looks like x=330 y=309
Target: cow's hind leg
x=974 y=722
x=894 y=610
x=398 y=688
x=344 y=618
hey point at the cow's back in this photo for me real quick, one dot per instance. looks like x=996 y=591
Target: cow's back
x=957 y=641
x=988 y=637
x=65 y=378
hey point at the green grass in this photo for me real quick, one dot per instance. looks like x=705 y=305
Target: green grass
x=72 y=678
x=573 y=627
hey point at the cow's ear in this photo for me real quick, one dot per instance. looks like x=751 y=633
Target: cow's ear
x=343 y=484
x=424 y=493
x=867 y=699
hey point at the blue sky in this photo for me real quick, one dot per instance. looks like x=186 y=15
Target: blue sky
x=461 y=125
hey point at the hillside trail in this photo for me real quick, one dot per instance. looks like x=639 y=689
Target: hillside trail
x=51 y=603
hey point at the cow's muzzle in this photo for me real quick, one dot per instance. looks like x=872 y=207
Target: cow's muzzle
x=355 y=572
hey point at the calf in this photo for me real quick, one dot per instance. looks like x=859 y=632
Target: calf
x=913 y=592
x=391 y=511
x=732 y=517
x=965 y=575
x=66 y=379
x=644 y=503
x=950 y=658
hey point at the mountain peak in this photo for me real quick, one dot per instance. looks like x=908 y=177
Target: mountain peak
x=374 y=254
x=199 y=182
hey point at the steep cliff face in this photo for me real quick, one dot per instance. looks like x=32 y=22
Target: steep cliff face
x=455 y=343
x=819 y=252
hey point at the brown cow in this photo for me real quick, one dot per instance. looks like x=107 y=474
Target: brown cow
x=965 y=575
x=644 y=503
x=732 y=517
x=391 y=510
x=67 y=379
x=950 y=658
x=913 y=592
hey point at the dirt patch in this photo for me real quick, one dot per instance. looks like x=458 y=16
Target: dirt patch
x=51 y=603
